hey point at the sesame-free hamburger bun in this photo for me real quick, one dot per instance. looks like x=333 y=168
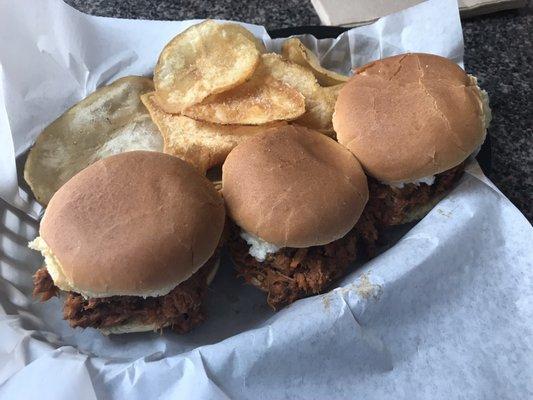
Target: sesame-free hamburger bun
x=134 y=224
x=294 y=187
x=411 y=116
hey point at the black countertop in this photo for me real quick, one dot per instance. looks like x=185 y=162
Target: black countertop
x=497 y=50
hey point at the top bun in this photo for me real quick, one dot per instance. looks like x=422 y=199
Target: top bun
x=137 y=223
x=294 y=187
x=410 y=116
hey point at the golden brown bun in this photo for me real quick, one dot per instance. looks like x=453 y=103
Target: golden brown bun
x=294 y=187
x=130 y=327
x=137 y=223
x=410 y=116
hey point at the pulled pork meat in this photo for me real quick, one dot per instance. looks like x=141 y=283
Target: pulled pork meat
x=293 y=273
x=180 y=309
x=389 y=206
x=43 y=285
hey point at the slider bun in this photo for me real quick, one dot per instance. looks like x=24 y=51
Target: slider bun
x=294 y=187
x=137 y=223
x=130 y=327
x=410 y=116
x=133 y=327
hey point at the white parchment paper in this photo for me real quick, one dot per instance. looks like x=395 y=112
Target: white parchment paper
x=446 y=313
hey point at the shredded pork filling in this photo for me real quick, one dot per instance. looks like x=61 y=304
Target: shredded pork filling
x=389 y=206
x=181 y=309
x=293 y=273
x=290 y=273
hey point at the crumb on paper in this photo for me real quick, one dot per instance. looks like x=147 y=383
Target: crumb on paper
x=326 y=301
x=446 y=214
x=364 y=288
x=368 y=290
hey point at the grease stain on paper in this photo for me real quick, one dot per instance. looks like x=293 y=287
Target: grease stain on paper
x=363 y=287
x=447 y=214
x=368 y=290
x=326 y=301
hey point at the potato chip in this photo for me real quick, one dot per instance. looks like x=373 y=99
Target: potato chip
x=203 y=144
x=290 y=73
x=261 y=100
x=111 y=120
x=259 y=45
x=294 y=50
x=319 y=101
x=206 y=59
x=320 y=106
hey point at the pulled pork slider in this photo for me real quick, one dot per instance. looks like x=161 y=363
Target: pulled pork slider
x=411 y=120
x=132 y=242
x=295 y=197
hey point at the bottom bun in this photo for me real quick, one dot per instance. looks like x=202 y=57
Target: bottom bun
x=213 y=272
x=136 y=326
x=421 y=211
x=130 y=327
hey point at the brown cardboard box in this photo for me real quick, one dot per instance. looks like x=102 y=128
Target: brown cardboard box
x=360 y=12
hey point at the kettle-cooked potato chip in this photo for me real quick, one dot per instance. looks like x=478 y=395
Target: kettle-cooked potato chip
x=292 y=74
x=294 y=50
x=203 y=144
x=205 y=59
x=261 y=100
x=319 y=101
x=259 y=45
x=109 y=121
x=320 y=106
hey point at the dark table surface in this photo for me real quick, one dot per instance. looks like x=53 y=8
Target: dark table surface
x=497 y=50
